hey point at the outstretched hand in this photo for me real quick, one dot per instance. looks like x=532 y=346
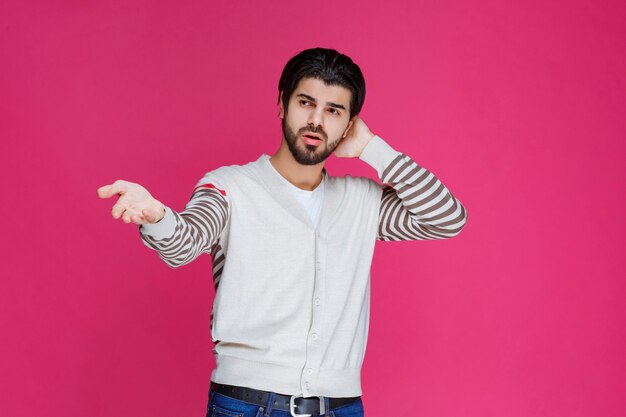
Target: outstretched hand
x=355 y=140
x=135 y=204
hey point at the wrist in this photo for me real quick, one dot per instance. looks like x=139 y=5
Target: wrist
x=163 y=229
x=378 y=154
x=160 y=209
x=368 y=138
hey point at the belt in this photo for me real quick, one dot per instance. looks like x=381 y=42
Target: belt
x=296 y=404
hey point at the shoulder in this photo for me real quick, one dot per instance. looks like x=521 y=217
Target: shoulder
x=352 y=181
x=227 y=177
x=356 y=185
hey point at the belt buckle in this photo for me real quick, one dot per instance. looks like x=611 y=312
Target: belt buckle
x=292 y=406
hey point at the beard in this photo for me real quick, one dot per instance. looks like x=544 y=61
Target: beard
x=308 y=154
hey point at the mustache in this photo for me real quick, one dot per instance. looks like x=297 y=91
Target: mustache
x=318 y=130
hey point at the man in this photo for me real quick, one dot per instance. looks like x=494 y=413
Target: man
x=292 y=246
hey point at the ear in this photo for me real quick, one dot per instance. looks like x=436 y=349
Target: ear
x=345 y=132
x=281 y=112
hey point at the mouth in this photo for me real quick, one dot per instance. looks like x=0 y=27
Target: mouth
x=311 y=139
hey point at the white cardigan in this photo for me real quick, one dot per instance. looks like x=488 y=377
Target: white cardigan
x=291 y=309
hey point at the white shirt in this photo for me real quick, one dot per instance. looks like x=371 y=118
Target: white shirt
x=311 y=201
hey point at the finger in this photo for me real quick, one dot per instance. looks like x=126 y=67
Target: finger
x=149 y=215
x=118 y=187
x=103 y=192
x=118 y=210
x=347 y=132
x=126 y=217
x=137 y=219
x=133 y=215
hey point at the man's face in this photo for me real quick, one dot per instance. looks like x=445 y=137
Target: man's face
x=318 y=117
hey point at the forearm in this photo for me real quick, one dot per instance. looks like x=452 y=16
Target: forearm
x=415 y=204
x=179 y=238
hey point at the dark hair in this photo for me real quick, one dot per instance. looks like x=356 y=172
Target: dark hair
x=327 y=65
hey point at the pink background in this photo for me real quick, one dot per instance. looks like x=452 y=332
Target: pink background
x=518 y=108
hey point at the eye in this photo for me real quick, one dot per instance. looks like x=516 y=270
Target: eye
x=334 y=111
x=305 y=102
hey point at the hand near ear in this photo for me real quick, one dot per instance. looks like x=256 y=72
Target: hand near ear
x=355 y=139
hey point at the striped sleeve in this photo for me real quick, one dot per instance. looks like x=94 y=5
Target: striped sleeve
x=414 y=205
x=179 y=238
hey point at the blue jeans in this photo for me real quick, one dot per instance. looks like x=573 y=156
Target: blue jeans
x=222 y=406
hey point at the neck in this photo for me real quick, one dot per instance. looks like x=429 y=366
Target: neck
x=306 y=177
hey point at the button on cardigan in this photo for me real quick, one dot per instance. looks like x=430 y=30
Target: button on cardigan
x=291 y=307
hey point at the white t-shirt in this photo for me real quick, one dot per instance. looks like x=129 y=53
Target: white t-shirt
x=311 y=201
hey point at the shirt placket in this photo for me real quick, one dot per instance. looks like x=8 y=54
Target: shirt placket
x=315 y=335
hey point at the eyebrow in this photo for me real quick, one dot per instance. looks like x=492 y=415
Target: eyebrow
x=328 y=103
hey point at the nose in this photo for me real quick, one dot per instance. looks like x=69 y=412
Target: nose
x=316 y=117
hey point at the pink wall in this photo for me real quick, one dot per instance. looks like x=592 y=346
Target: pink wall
x=519 y=109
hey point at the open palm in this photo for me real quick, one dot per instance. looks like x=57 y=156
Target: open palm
x=135 y=203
